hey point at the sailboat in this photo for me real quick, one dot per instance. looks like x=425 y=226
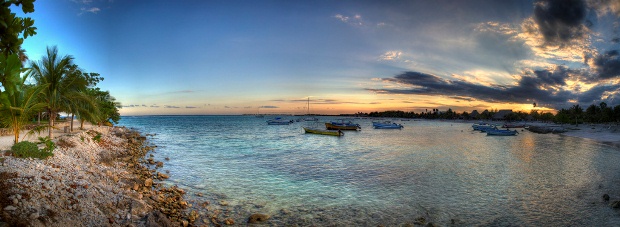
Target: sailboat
x=258 y=114
x=308 y=117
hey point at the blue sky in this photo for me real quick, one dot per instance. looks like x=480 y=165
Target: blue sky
x=236 y=57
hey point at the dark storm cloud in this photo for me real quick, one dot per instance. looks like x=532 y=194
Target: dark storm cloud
x=608 y=65
x=560 y=21
x=593 y=95
x=544 y=86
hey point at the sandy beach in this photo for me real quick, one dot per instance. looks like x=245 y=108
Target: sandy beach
x=604 y=133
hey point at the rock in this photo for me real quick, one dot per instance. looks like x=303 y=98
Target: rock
x=223 y=203
x=33 y=216
x=157 y=219
x=229 y=221
x=162 y=176
x=148 y=182
x=10 y=208
x=256 y=218
x=606 y=197
x=615 y=205
x=420 y=221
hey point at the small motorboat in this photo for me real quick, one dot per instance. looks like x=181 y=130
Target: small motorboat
x=279 y=121
x=323 y=132
x=341 y=125
x=501 y=132
x=483 y=127
x=386 y=125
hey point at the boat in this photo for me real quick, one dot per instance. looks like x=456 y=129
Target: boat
x=502 y=132
x=511 y=125
x=258 y=113
x=342 y=125
x=308 y=116
x=483 y=127
x=386 y=125
x=279 y=121
x=324 y=132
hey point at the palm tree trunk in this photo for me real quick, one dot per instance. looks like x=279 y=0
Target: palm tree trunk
x=71 y=123
x=81 y=124
x=39 y=118
x=51 y=125
x=16 y=132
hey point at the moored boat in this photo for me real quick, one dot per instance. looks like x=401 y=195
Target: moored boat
x=483 y=127
x=386 y=125
x=501 y=132
x=513 y=125
x=279 y=121
x=341 y=125
x=323 y=132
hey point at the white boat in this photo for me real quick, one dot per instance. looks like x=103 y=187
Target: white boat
x=308 y=116
x=483 y=127
x=279 y=121
x=386 y=125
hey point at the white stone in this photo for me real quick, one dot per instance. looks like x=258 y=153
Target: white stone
x=10 y=208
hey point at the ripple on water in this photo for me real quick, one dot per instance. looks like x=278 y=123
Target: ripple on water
x=439 y=170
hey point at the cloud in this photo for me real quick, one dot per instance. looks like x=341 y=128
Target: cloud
x=544 y=86
x=341 y=17
x=560 y=21
x=91 y=10
x=606 y=65
x=171 y=107
x=605 y=6
x=269 y=107
x=390 y=55
x=190 y=107
x=355 y=20
x=181 y=91
x=154 y=106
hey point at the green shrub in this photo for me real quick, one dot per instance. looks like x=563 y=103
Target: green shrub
x=49 y=144
x=97 y=137
x=27 y=149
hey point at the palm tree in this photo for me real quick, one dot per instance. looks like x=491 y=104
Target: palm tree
x=18 y=102
x=54 y=70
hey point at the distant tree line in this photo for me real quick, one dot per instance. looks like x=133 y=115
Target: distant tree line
x=575 y=114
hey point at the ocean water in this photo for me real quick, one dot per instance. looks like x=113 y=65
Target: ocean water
x=440 y=170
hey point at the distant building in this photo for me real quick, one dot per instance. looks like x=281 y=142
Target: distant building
x=501 y=114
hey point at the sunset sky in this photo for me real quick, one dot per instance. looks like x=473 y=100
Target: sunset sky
x=244 y=57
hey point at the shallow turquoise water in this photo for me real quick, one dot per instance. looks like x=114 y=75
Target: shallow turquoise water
x=440 y=170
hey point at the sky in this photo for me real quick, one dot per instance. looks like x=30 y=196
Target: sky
x=333 y=57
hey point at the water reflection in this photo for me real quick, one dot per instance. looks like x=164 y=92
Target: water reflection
x=390 y=177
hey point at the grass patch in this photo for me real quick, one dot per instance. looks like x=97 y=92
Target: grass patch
x=27 y=149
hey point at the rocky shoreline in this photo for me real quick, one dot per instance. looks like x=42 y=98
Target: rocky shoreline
x=97 y=177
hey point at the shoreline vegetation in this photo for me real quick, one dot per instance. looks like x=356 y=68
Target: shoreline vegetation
x=105 y=176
